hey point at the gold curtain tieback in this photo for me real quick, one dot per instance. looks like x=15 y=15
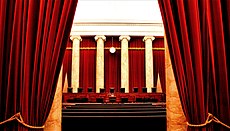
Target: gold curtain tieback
x=209 y=119
x=18 y=117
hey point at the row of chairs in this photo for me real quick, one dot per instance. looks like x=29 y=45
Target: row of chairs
x=113 y=100
x=112 y=90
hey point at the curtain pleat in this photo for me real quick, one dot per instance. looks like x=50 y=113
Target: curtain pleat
x=198 y=38
x=33 y=36
x=159 y=63
x=112 y=64
x=67 y=64
x=87 y=76
x=136 y=64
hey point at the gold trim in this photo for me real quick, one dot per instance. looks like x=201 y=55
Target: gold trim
x=69 y=48
x=209 y=119
x=18 y=117
x=159 y=49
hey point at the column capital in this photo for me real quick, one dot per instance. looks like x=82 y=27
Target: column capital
x=124 y=37
x=78 y=37
x=100 y=37
x=148 y=37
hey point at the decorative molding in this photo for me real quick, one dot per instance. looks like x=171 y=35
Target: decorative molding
x=116 y=24
x=112 y=29
x=78 y=37
x=124 y=37
x=100 y=37
x=148 y=37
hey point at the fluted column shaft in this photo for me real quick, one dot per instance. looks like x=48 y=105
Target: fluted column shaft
x=148 y=62
x=100 y=62
x=75 y=62
x=125 y=62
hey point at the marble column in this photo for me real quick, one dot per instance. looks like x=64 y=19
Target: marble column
x=53 y=122
x=100 y=62
x=176 y=120
x=125 y=62
x=75 y=62
x=148 y=62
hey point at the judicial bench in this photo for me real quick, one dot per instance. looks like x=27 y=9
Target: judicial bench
x=112 y=97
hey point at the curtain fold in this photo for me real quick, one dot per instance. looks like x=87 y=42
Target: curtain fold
x=198 y=39
x=218 y=18
x=33 y=36
x=136 y=64
x=87 y=76
x=112 y=64
x=67 y=63
x=159 y=63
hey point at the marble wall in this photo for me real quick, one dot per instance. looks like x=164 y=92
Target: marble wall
x=176 y=120
x=53 y=122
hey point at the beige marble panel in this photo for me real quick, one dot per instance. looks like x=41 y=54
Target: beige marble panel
x=148 y=62
x=125 y=62
x=65 y=88
x=100 y=62
x=159 y=88
x=53 y=122
x=75 y=62
x=176 y=120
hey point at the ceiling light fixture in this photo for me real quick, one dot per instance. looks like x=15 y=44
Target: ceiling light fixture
x=112 y=49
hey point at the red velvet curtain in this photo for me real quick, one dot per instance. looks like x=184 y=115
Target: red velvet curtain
x=33 y=36
x=159 y=63
x=136 y=64
x=87 y=76
x=112 y=64
x=218 y=21
x=67 y=63
x=198 y=36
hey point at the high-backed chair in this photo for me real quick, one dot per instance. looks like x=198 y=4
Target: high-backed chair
x=144 y=90
x=90 y=89
x=102 y=90
x=135 y=89
x=111 y=90
x=122 y=90
x=154 y=89
x=70 y=90
x=79 y=90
